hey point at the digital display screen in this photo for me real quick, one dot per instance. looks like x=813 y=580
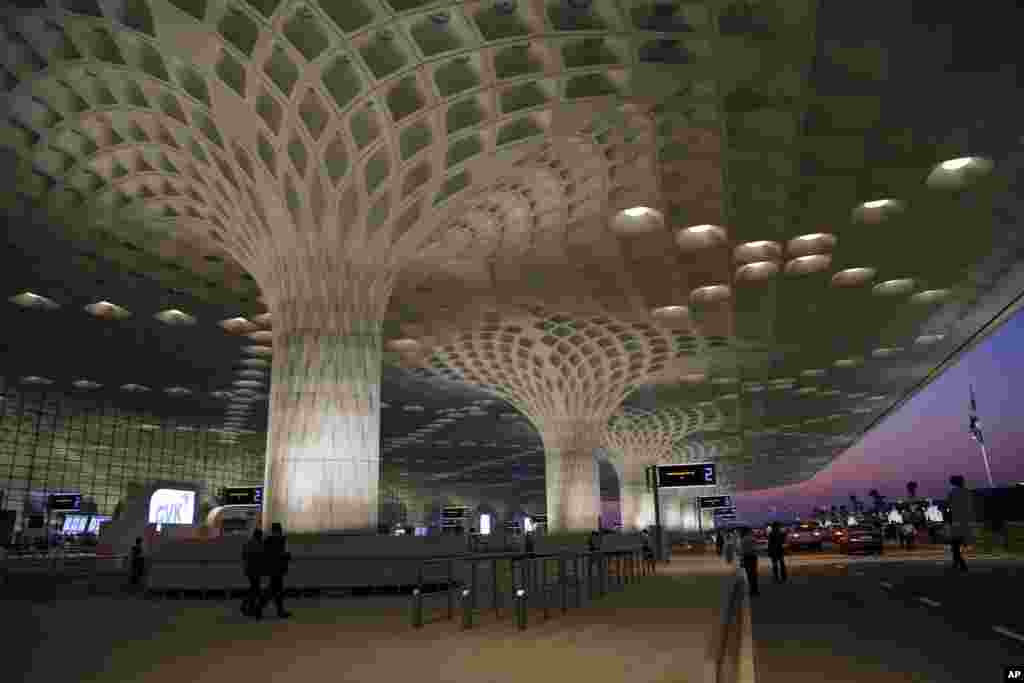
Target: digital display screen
x=95 y=522
x=690 y=474
x=454 y=513
x=75 y=524
x=722 y=512
x=172 y=506
x=712 y=502
x=65 y=501
x=243 y=495
x=485 y=525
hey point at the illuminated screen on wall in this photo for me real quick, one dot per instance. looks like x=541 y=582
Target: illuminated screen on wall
x=172 y=506
x=689 y=474
x=75 y=524
x=95 y=522
x=243 y=495
x=485 y=525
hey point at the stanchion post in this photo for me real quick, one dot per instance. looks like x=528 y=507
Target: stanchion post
x=451 y=589
x=564 y=581
x=521 y=608
x=417 y=608
x=467 y=609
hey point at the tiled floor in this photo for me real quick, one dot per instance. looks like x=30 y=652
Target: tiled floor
x=656 y=630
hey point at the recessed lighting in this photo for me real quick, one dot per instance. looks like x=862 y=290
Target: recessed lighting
x=853 y=277
x=816 y=372
x=930 y=296
x=848 y=362
x=252 y=374
x=177 y=391
x=35 y=379
x=760 y=250
x=637 y=211
x=248 y=384
x=253 y=363
x=86 y=384
x=898 y=287
x=957 y=172
x=173 y=316
x=135 y=388
x=105 y=309
x=258 y=350
x=811 y=244
x=33 y=300
x=637 y=220
x=886 y=352
x=956 y=164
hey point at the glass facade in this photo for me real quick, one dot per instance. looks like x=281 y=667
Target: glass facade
x=56 y=441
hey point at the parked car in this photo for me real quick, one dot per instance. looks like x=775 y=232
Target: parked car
x=839 y=535
x=862 y=539
x=806 y=535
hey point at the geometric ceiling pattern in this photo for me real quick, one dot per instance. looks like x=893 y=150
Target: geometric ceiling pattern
x=777 y=208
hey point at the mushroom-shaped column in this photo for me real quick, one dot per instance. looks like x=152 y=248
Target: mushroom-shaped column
x=640 y=438
x=567 y=374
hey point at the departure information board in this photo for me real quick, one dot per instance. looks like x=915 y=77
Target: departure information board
x=65 y=501
x=712 y=502
x=243 y=495
x=689 y=474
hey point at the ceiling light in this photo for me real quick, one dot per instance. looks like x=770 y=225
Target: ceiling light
x=177 y=391
x=258 y=350
x=758 y=270
x=105 y=309
x=930 y=296
x=637 y=211
x=248 y=384
x=135 y=388
x=32 y=300
x=817 y=372
x=760 y=250
x=878 y=204
x=853 y=277
x=35 y=379
x=637 y=220
x=86 y=384
x=670 y=312
x=886 y=352
x=710 y=294
x=929 y=339
x=252 y=374
x=237 y=325
x=173 y=316
x=403 y=345
x=700 y=236
x=253 y=363
x=897 y=287
x=805 y=265
x=810 y=244
x=848 y=362
x=956 y=164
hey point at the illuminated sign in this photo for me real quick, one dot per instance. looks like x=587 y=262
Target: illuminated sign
x=485 y=525
x=722 y=512
x=690 y=474
x=454 y=513
x=712 y=502
x=243 y=495
x=172 y=506
x=65 y=501
x=75 y=524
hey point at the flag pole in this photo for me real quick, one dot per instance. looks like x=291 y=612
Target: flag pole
x=988 y=470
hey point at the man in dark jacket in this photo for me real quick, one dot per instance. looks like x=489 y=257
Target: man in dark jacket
x=138 y=563
x=276 y=560
x=777 y=552
x=252 y=564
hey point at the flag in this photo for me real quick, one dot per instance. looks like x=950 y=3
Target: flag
x=974 y=424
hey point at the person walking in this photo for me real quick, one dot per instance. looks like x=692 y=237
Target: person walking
x=719 y=542
x=138 y=562
x=908 y=534
x=276 y=559
x=961 y=514
x=252 y=565
x=777 y=552
x=748 y=560
x=730 y=547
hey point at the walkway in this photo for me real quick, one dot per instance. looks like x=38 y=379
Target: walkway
x=655 y=630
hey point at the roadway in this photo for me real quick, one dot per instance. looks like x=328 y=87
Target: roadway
x=901 y=617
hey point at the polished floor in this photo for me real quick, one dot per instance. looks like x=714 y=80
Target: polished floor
x=654 y=630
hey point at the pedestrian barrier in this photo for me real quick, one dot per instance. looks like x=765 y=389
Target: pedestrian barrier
x=541 y=582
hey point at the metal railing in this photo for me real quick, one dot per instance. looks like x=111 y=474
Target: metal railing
x=542 y=581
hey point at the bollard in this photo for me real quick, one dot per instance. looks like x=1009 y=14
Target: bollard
x=467 y=609
x=564 y=581
x=417 y=608
x=521 y=609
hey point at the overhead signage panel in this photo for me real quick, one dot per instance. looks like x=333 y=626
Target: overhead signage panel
x=721 y=512
x=243 y=495
x=713 y=502
x=686 y=475
x=65 y=501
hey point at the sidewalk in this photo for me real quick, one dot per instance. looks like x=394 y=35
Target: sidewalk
x=654 y=630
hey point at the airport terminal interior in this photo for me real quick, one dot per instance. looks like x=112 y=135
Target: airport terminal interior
x=450 y=269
